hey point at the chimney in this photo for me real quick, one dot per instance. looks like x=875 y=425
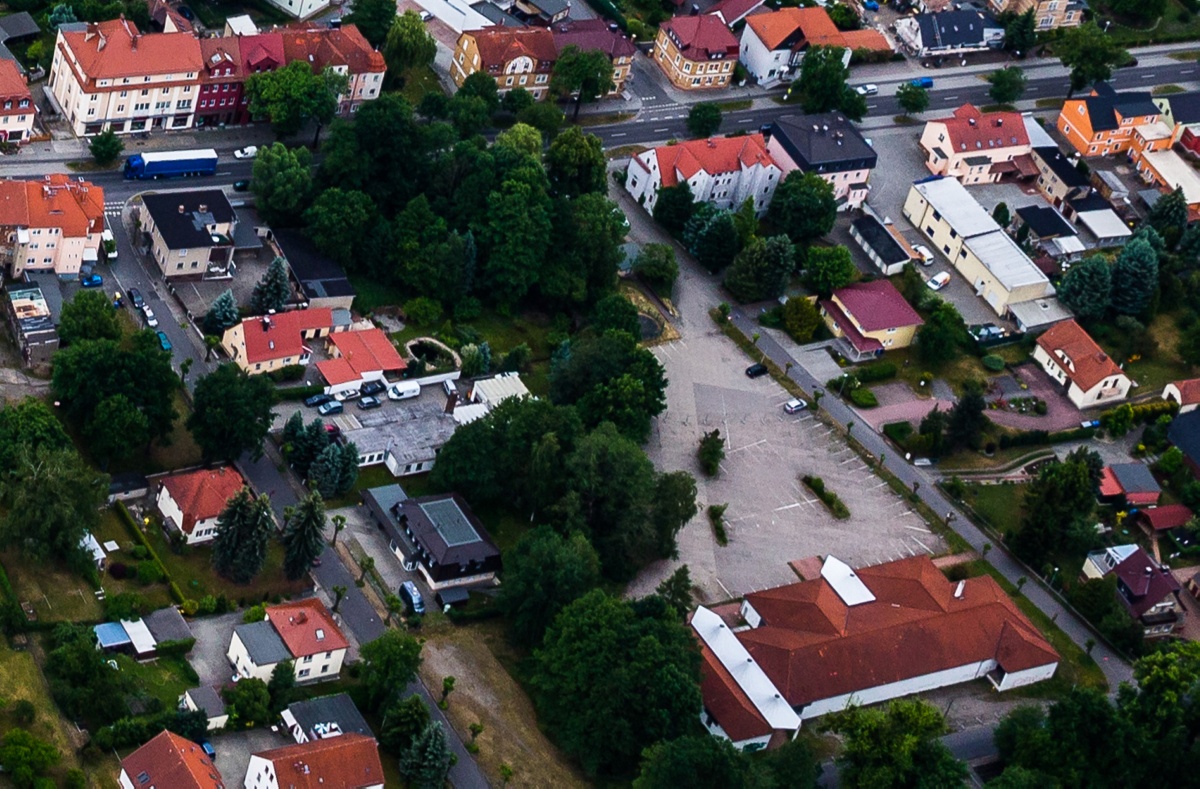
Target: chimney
x=266 y=323
x=1149 y=571
x=971 y=121
x=203 y=208
x=999 y=121
x=181 y=209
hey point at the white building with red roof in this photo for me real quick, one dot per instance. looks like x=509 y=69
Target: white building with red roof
x=347 y=761
x=342 y=49
x=17 y=110
x=978 y=147
x=872 y=317
x=271 y=342
x=860 y=637
x=169 y=760
x=1088 y=375
x=110 y=75
x=190 y=502
x=1186 y=393
x=724 y=171
x=53 y=223
x=358 y=357
x=302 y=631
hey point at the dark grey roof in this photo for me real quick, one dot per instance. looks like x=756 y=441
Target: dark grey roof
x=1061 y=166
x=337 y=709
x=447 y=530
x=167 y=624
x=262 y=643
x=1184 y=433
x=207 y=699
x=384 y=497
x=495 y=15
x=187 y=229
x=550 y=8
x=824 y=143
x=1045 y=222
x=1185 y=107
x=317 y=274
x=1092 y=201
x=1103 y=107
x=1135 y=478
x=19 y=25
x=877 y=237
x=953 y=28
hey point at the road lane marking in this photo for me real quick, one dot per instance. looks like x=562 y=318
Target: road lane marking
x=662 y=129
x=622 y=134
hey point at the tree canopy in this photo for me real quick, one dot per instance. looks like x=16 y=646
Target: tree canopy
x=282 y=181
x=232 y=413
x=88 y=316
x=243 y=530
x=585 y=74
x=389 y=663
x=1089 y=53
x=1087 y=288
x=896 y=747
x=822 y=83
x=704 y=119
x=294 y=95
x=803 y=207
x=1007 y=84
x=762 y=269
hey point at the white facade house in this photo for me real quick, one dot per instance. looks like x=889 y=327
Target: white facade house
x=300 y=9
x=191 y=502
x=1072 y=358
x=347 y=761
x=724 y=171
x=1186 y=393
x=302 y=631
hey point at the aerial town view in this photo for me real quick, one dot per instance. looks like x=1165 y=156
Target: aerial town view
x=745 y=394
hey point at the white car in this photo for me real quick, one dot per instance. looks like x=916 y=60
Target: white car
x=939 y=281
x=924 y=253
x=794 y=406
x=148 y=314
x=249 y=152
x=867 y=90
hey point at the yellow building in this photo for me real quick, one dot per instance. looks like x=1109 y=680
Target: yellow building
x=696 y=52
x=514 y=57
x=872 y=317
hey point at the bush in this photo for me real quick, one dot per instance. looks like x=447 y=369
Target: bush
x=422 y=311
x=863 y=398
x=139 y=552
x=1142 y=414
x=711 y=452
x=1026 y=438
x=716 y=516
x=835 y=505
x=178 y=648
x=993 y=362
x=291 y=393
x=898 y=432
x=149 y=572
x=23 y=712
x=876 y=371
x=118 y=570
x=290 y=372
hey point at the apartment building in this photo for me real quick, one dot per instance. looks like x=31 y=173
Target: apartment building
x=724 y=171
x=17 y=110
x=1103 y=123
x=343 y=50
x=190 y=234
x=595 y=35
x=696 y=52
x=829 y=145
x=515 y=57
x=50 y=224
x=1050 y=14
x=977 y=147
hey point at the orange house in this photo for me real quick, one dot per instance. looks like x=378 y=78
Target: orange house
x=1103 y=123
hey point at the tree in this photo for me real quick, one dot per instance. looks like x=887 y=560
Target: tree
x=273 y=291
x=543 y=573
x=232 y=413
x=1188 y=346
x=282 y=180
x=303 y=444
x=704 y=119
x=616 y=312
x=657 y=267
x=80 y=679
x=1087 y=288
x=1089 y=53
x=291 y=96
x=248 y=703
x=88 y=316
x=62 y=14
x=674 y=206
x=585 y=74
x=243 y=529
x=822 y=83
x=408 y=44
x=1020 y=33
x=801 y=319
x=335 y=470
x=762 y=270
x=1169 y=216
x=106 y=147
x=1007 y=85
x=611 y=379
x=828 y=268
x=911 y=98
x=303 y=535
x=804 y=207
x=607 y=680
x=966 y=420
x=1134 y=277
x=482 y=87
x=516 y=100
x=674 y=505
x=845 y=17
x=1058 y=507
x=517 y=235
x=340 y=222
x=427 y=761
x=403 y=720
x=283 y=681
x=1001 y=215
x=940 y=340
x=26 y=758
x=710 y=235
x=575 y=164
x=1141 y=11
x=117 y=430
x=693 y=760
x=375 y=19
x=388 y=664
x=896 y=747
x=523 y=138
x=676 y=590
x=222 y=315
x=543 y=116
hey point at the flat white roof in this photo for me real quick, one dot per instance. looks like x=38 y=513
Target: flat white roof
x=1038 y=138
x=1068 y=245
x=846 y=582
x=1154 y=131
x=500 y=387
x=140 y=636
x=467 y=413
x=1104 y=223
x=1035 y=313
x=951 y=199
x=1004 y=258
x=1172 y=168
x=241 y=25
x=749 y=676
x=176 y=156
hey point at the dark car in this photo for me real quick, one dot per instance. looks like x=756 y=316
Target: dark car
x=209 y=751
x=367 y=403
x=164 y=341
x=317 y=399
x=373 y=388
x=186 y=13
x=135 y=298
x=241 y=186
x=756 y=371
x=330 y=408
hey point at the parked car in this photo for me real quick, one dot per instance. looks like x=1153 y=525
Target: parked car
x=867 y=90
x=922 y=82
x=367 y=403
x=871 y=5
x=164 y=341
x=249 y=152
x=404 y=390
x=187 y=13
x=939 y=280
x=795 y=405
x=411 y=596
x=349 y=394
x=317 y=400
x=92 y=281
x=135 y=298
x=756 y=371
x=925 y=254
x=241 y=186
x=448 y=387
x=426 y=16
x=330 y=408
x=208 y=749
x=373 y=388
x=149 y=317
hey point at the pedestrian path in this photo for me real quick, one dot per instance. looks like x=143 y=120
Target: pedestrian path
x=113 y=209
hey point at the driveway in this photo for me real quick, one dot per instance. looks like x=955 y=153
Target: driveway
x=234 y=751
x=212 y=641
x=1061 y=413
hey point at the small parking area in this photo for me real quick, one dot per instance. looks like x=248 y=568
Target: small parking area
x=349 y=418
x=362 y=531
x=1061 y=413
x=212 y=642
x=234 y=751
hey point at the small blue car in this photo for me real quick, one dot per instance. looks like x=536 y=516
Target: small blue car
x=922 y=82
x=871 y=5
x=164 y=341
x=92 y=281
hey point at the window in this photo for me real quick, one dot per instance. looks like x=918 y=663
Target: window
x=307 y=659
x=303 y=673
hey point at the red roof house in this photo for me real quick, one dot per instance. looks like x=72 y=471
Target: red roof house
x=306 y=627
x=346 y=761
x=1129 y=483
x=872 y=317
x=302 y=631
x=269 y=342
x=1186 y=393
x=1070 y=356
x=724 y=171
x=359 y=356
x=1157 y=520
x=190 y=502
x=170 y=760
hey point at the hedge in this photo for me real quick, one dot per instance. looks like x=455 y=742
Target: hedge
x=993 y=362
x=1146 y=412
x=289 y=372
x=863 y=398
x=299 y=392
x=877 y=371
x=898 y=432
x=178 y=648
x=830 y=499
x=132 y=527
x=1027 y=438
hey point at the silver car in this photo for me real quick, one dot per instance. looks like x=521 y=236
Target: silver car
x=148 y=315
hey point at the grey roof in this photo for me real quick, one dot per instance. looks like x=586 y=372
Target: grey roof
x=246 y=237
x=1185 y=107
x=207 y=699
x=550 y=8
x=823 y=143
x=1135 y=478
x=1092 y=201
x=384 y=497
x=19 y=25
x=956 y=205
x=954 y=28
x=318 y=275
x=1104 y=107
x=877 y=237
x=496 y=16
x=187 y=229
x=446 y=529
x=1045 y=222
x=338 y=709
x=1150 y=196
x=1184 y=433
x=51 y=290
x=1061 y=166
x=412 y=434
x=167 y=624
x=262 y=643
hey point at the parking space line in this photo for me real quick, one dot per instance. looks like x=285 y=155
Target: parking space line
x=918 y=528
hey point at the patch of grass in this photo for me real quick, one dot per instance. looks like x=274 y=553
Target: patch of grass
x=999 y=505
x=164 y=679
x=370 y=295
x=603 y=119
x=369 y=477
x=735 y=105
x=1187 y=56
x=957 y=373
x=1166 y=90
x=20 y=678
x=418 y=82
x=56 y=593
x=180 y=450
x=156 y=595
x=1042 y=104
x=624 y=151
x=1153 y=373
x=1002 y=460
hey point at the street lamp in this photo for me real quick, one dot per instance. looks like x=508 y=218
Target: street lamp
x=1053 y=576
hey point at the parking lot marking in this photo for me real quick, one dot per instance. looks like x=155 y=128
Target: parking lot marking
x=918 y=528
x=788 y=507
x=847 y=460
x=748 y=446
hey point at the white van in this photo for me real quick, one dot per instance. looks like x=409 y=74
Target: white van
x=109 y=242
x=404 y=390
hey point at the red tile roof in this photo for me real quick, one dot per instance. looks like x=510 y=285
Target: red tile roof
x=261 y=52
x=348 y=761
x=306 y=627
x=13 y=84
x=813 y=646
x=221 y=54
x=866 y=39
x=202 y=494
x=499 y=46
x=361 y=352
x=971 y=130
x=593 y=34
x=1168 y=516
x=323 y=46
x=700 y=37
x=797 y=28
x=171 y=761
x=77 y=207
x=113 y=49
x=877 y=306
x=861 y=344
x=1148 y=582
x=281 y=336
x=1084 y=362
x=1189 y=391
x=725 y=700
x=713 y=156
x=731 y=11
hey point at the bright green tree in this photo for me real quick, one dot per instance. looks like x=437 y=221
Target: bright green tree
x=704 y=119
x=303 y=535
x=762 y=270
x=340 y=222
x=912 y=98
x=52 y=499
x=88 y=316
x=543 y=573
x=657 y=267
x=822 y=83
x=282 y=180
x=243 y=529
x=523 y=138
x=1089 y=53
x=1087 y=288
x=575 y=163
x=106 y=147
x=375 y=20
x=585 y=74
x=828 y=268
x=248 y=703
x=803 y=207
x=294 y=95
x=389 y=663
x=896 y=747
x=1007 y=84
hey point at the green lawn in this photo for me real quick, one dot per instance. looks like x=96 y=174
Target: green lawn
x=164 y=679
x=156 y=595
x=369 y=477
x=1154 y=372
x=998 y=505
x=370 y=295
x=1177 y=24
x=418 y=82
x=56 y=593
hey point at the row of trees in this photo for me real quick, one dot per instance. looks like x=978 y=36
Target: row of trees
x=244 y=530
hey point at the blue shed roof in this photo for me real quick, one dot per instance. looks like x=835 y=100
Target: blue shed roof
x=112 y=634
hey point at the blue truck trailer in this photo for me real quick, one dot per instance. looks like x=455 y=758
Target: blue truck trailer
x=171 y=164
